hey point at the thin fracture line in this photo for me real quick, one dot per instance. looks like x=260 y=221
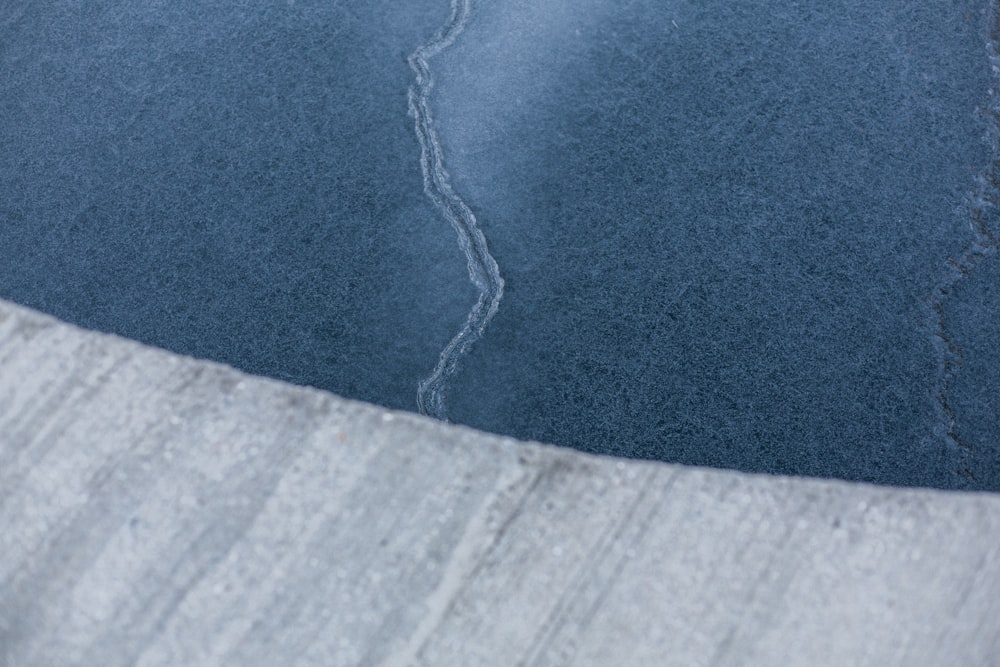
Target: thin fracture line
x=983 y=245
x=483 y=270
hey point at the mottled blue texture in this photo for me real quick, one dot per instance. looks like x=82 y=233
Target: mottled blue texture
x=724 y=227
x=720 y=223
x=237 y=181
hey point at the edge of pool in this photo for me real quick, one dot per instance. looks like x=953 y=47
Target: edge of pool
x=157 y=509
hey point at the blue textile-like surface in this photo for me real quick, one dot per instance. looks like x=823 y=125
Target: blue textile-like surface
x=236 y=181
x=724 y=228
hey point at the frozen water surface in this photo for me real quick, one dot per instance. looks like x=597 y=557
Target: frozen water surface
x=237 y=181
x=722 y=227
x=757 y=235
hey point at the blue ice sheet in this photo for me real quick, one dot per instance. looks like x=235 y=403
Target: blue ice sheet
x=746 y=234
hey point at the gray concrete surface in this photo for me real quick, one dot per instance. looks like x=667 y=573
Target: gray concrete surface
x=158 y=510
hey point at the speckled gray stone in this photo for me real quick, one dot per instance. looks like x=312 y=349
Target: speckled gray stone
x=158 y=510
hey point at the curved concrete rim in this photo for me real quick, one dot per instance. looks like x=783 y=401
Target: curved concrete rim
x=160 y=510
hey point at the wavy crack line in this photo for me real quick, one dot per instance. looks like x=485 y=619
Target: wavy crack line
x=984 y=244
x=483 y=270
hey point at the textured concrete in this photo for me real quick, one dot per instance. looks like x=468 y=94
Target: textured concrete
x=157 y=510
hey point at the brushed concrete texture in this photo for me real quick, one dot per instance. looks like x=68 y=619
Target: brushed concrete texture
x=159 y=510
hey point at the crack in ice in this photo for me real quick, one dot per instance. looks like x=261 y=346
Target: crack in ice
x=483 y=270
x=984 y=244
